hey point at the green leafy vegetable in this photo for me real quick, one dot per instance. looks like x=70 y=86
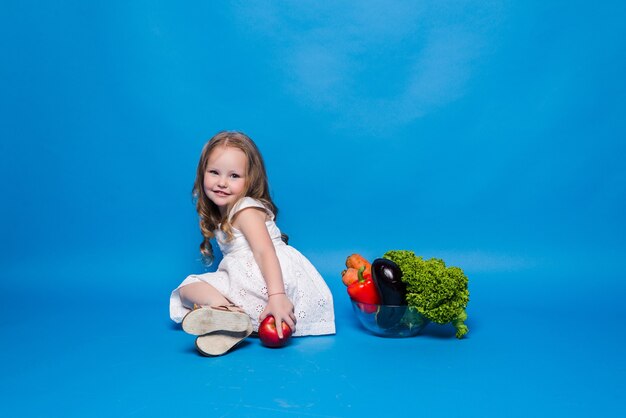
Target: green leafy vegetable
x=438 y=292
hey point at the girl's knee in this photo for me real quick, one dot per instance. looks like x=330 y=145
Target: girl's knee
x=193 y=291
x=199 y=293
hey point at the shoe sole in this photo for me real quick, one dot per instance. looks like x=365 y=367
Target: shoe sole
x=208 y=320
x=220 y=342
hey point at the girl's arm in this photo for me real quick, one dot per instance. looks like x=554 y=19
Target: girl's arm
x=251 y=222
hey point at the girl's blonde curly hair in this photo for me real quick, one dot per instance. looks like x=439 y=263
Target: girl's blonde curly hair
x=256 y=186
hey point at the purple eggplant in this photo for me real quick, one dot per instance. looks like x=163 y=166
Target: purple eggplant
x=386 y=275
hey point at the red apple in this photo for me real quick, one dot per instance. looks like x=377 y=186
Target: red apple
x=268 y=334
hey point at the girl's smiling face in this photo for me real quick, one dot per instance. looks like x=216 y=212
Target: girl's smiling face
x=225 y=176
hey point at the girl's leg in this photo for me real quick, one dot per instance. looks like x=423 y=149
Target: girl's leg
x=218 y=330
x=202 y=294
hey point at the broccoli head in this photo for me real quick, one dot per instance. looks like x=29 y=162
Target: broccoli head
x=438 y=292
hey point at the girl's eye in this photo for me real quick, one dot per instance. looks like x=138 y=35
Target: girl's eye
x=235 y=176
x=212 y=172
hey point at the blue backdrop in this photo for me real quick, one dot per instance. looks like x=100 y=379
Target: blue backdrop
x=490 y=134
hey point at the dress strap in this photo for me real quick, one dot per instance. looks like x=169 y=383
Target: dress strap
x=248 y=202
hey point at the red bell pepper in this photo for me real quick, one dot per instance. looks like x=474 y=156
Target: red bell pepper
x=364 y=291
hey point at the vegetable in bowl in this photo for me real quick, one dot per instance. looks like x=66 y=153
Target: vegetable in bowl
x=438 y=292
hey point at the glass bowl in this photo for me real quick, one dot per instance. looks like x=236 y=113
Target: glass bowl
x=389 y=320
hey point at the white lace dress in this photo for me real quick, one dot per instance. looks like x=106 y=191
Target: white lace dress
x=239 y=279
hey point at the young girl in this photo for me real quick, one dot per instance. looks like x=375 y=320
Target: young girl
x=260 y=274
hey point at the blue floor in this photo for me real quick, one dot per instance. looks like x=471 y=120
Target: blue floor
x=532 y=350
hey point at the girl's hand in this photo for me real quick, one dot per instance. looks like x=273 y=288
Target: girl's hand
x=281 y=308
